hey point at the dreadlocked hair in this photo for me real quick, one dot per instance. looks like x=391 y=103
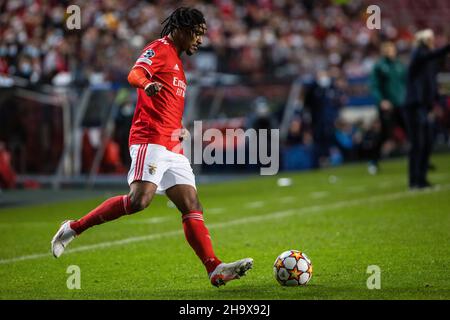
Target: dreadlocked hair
x=182 y=18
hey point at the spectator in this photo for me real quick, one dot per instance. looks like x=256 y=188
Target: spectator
x=7 y=173
x=324 y=100
x=348 y=138
x=256 y=38
x=261 y=117
x=298 y=133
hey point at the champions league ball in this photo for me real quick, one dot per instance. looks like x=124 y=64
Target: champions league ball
x=292 y=268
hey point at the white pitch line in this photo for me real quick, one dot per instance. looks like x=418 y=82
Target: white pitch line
x=255 y=204
x=385 y=184
x=24 y=224
x=153 y=220
x=319 y=194
x=215 y=210
x=356 y=189
x=252 y=219
x=287 y=199
x=439 y=176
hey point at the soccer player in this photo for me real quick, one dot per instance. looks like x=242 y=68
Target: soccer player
x=158 y=165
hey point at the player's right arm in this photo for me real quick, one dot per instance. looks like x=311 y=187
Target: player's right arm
x=138 y=79
x=149 y=62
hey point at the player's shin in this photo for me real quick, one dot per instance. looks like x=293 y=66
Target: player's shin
x=111 y=209
x=199 y=239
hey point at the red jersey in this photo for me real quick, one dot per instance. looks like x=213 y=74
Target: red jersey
x=156 y=119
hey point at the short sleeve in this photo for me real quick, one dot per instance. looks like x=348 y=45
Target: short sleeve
x=151 y=59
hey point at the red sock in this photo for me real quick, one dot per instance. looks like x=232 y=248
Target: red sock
x=198 y=237
x=111 y=209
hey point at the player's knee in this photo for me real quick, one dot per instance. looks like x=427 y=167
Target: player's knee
x=139 y=203
x=193 y=205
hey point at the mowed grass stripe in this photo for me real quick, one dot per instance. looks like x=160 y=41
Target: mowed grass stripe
x=251 y=219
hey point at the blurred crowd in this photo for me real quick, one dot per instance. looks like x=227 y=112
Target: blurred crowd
x=258 y=38
x=325 y=42
x=410 y=107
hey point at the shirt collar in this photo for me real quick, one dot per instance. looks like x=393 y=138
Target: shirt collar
x=170 y=41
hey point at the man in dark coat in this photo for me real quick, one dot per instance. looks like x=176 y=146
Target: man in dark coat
x=421 y=94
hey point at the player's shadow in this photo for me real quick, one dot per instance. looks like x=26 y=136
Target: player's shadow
x=277 y=292
x=309 y=292
x=250 y=292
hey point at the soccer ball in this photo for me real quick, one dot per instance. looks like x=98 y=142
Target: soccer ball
x=292 y=268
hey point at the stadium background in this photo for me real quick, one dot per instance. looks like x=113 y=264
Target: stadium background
x=65 y=111
x=66 y=106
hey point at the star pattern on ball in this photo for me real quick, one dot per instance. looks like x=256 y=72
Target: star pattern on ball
x=295 y=274
x=297 y=255
x=279 y=264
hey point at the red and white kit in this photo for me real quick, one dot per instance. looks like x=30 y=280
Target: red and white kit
x=157 y=157
x=155 y=148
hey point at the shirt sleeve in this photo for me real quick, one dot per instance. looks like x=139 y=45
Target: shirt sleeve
x=421 y=55
x=138 y=78
x=375 y=84
x=151 y=60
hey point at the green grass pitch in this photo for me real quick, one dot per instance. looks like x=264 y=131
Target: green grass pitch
x=342 y=218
